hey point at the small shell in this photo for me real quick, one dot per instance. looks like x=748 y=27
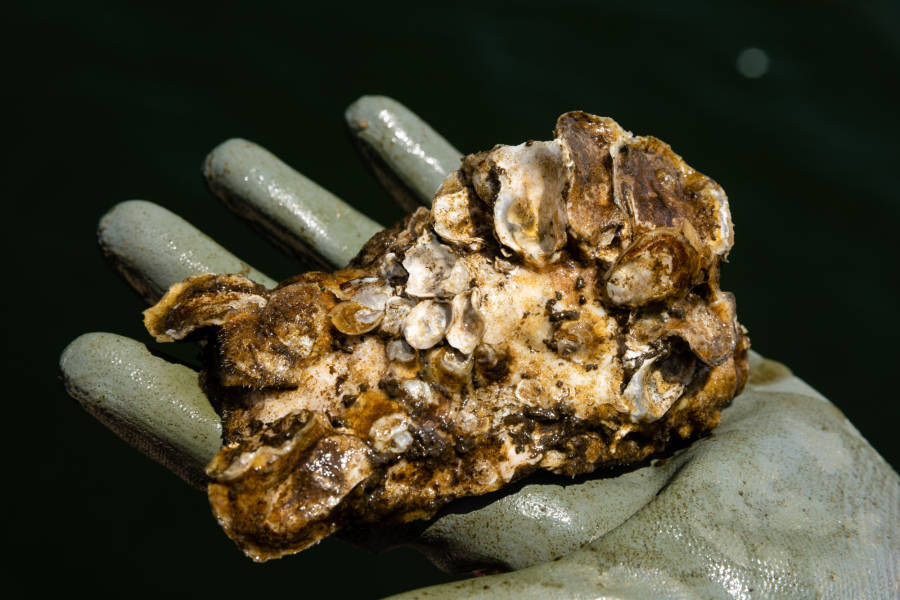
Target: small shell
x=429 y=263
x=634 y=391
x=458 y=279
x=460 y=217
x=529 y=391
x=396 y=310
x=391 y=434
x=400 y=351
x=575 y=341
x=418 y=391
x=487 y=356
x=660 y=190
x=709 y=327
x=598 y=223
x=714 y=197
x=372 y=292
x=530 y=212
x=467 y=328
x=659 y=266
x=427 y=324
x=450 y=367
x=656 y=386
x=391 y=267
x=354 y=318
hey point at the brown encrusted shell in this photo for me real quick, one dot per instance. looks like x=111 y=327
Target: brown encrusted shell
x=559 y=309
x=354 y=318
x=596 y=219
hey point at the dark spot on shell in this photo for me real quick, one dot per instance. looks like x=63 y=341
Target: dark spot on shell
x=565 y=315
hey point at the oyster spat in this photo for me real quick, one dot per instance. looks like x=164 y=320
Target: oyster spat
x=559 y=308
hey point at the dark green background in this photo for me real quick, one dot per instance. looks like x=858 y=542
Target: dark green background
x=113 y=103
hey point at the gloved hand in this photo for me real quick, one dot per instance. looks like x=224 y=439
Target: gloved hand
x=784 y=499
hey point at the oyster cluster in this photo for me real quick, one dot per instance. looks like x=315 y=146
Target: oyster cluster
x=558 y=308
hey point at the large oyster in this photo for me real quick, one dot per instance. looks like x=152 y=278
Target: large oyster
x=559 y=308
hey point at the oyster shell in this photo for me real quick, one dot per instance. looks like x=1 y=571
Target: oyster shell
x=559 y=309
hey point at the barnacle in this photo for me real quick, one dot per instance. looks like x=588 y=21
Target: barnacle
x=559 y=309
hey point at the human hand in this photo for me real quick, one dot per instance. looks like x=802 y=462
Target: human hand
x=784 y=499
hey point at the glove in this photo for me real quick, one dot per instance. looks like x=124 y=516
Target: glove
x=784 y=499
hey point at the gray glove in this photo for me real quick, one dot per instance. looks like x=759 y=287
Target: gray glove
x=784 y=500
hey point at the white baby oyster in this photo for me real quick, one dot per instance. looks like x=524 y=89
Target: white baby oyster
x=428 y=263
x=529 y=210
x=467 y=327
x=427 y=324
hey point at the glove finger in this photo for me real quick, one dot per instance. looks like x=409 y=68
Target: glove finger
x=407 y=157
x=154 y=405
x=303 y=220
x=152 y=248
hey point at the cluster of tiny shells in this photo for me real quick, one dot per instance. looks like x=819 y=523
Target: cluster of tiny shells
x=437 y=303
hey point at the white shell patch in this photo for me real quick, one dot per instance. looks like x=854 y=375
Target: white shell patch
x=429 y=263
x=427 y=324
